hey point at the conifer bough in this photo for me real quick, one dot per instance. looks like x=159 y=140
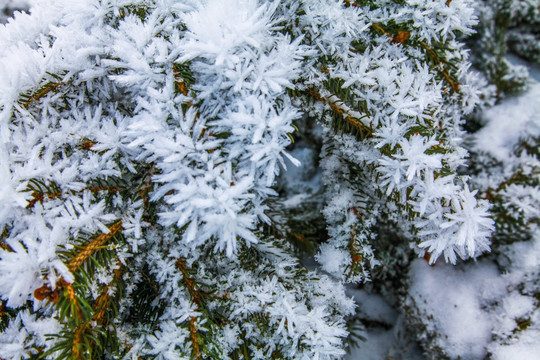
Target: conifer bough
x=140 y=141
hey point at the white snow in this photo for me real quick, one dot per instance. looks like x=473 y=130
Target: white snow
x=509 y=121
x=375 y=347
x=455 y=297
x=389 y=338
x=522 y=350
x=475 y=309
x=373 y=306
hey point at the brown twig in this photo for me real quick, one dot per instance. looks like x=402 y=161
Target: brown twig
x=146 y=186
x=93 y=246
x=87 y=144
x=348 y=3
x=338 y=110
x=355 y=256
x=378 y=27
x=39 y=197
x=75 y=348
x=178 y=81
x=100 y=308
x=5 y=246
x=400 y=37
x=194 y=338
x=190 y=284
x=436 y=60
x=47 y=89
x=102 y=301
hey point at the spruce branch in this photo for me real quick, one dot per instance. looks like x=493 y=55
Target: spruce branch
x=441 y=66
x=398 y=38
x=102 y=302
x=94 y=245
x=180 y=79
x=193 y=335
x=85 y=327
x=190 y=284
x=337 y=106
x=2 y=313
x=178 y=120
x=40 y=191
x=198 y=300
x=41 y=93
x=4 y=246
x=440 y=63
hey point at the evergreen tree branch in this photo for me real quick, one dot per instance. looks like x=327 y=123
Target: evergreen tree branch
x=198 y=300
x=95 y=244
x=440 y=63
x=41 y=93
x=41 y=192
x=5 y=246
x=441 y=66
x=336 y=105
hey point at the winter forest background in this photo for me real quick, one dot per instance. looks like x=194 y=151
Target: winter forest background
x=287 y=179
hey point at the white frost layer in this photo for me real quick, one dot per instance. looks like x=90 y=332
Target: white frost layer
x=520 y=350
x=524 y=271
x=7 y=7
x=476 y=309
x=376 y=346
x=507 y=122
x=388 y=337
x=373 y=306
x=455 y=297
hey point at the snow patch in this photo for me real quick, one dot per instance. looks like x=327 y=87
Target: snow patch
x=456 y=297
x=509 y=121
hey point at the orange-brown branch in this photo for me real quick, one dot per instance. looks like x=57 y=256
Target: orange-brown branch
x=355 y=256
x=104 y=298
x=100 y=307
x=146 y=187
x=93 y=246
x=190 y=284
x=87 y=144
x=39 y=197
x=298 y=237
x=76 y=347
x=334 y=106
x=5 y=246
x=47 y=89
x=179 y=82
x=435 y=58
x=399 y=38
x=45 y=292
x=379 y=27
x=348 y=3
x=194 y=338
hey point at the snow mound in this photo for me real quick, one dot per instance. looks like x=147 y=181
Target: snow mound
x=508 y=122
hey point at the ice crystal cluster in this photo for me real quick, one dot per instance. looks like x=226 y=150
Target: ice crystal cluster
x=140 y=142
